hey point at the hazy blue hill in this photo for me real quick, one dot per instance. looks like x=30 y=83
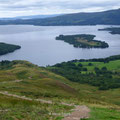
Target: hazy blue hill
x=107 y=17
x=37 y=16
x=31 y=17
x=111 y=17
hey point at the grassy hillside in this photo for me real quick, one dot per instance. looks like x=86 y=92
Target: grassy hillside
x=25 y=79
x=35 y=81
x=26 y=92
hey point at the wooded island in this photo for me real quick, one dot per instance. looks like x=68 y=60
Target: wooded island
x=83 y=41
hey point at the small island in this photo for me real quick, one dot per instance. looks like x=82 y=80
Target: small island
x=8 y=48
x=83 y=41
x=113 y=30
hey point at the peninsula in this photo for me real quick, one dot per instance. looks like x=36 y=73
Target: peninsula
x=8 y=48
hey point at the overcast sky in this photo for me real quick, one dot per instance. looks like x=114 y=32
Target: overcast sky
x=11 y=8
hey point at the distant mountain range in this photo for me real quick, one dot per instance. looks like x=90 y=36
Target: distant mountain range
x=31 y=17
x=111 y=17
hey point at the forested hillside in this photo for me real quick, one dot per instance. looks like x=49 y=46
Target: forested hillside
x=111 y=17
x=8 y=48
x=103 y=73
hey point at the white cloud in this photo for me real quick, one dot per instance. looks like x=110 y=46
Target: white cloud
x=10 y=8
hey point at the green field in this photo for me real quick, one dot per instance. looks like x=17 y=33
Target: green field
x=112 y=65
x=104 y=114
x=105 y=75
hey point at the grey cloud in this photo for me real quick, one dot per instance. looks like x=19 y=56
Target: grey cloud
x=29 y=7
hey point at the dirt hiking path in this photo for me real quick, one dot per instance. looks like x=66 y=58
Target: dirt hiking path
x=78 y=113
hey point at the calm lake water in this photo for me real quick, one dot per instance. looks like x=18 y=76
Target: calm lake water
x=40 y=47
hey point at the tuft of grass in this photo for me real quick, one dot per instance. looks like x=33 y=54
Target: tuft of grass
x=104 y=114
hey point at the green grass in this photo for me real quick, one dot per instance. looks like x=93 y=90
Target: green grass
x=104 y=75
x=17 y=109
x=36 y=82
x=98 y=113
x=39 y=83
x=112 y=65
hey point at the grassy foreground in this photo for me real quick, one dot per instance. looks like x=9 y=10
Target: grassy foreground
x=98 y=113
x=22 y=78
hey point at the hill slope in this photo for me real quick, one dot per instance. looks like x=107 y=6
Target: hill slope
x=103 y=73
x=111 y=17
x=28 y=91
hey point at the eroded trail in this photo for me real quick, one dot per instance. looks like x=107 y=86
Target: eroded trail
x=25 y=98
x=15 y=81
x=78 y=113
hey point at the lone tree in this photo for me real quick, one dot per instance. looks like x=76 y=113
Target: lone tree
x=90 y=64
x=104 y=69
x=80 y=65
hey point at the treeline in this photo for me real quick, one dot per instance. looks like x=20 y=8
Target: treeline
x=100 y=77
x=105 y=60
x=7 y=48
x=83 y=41
x=6 y=64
